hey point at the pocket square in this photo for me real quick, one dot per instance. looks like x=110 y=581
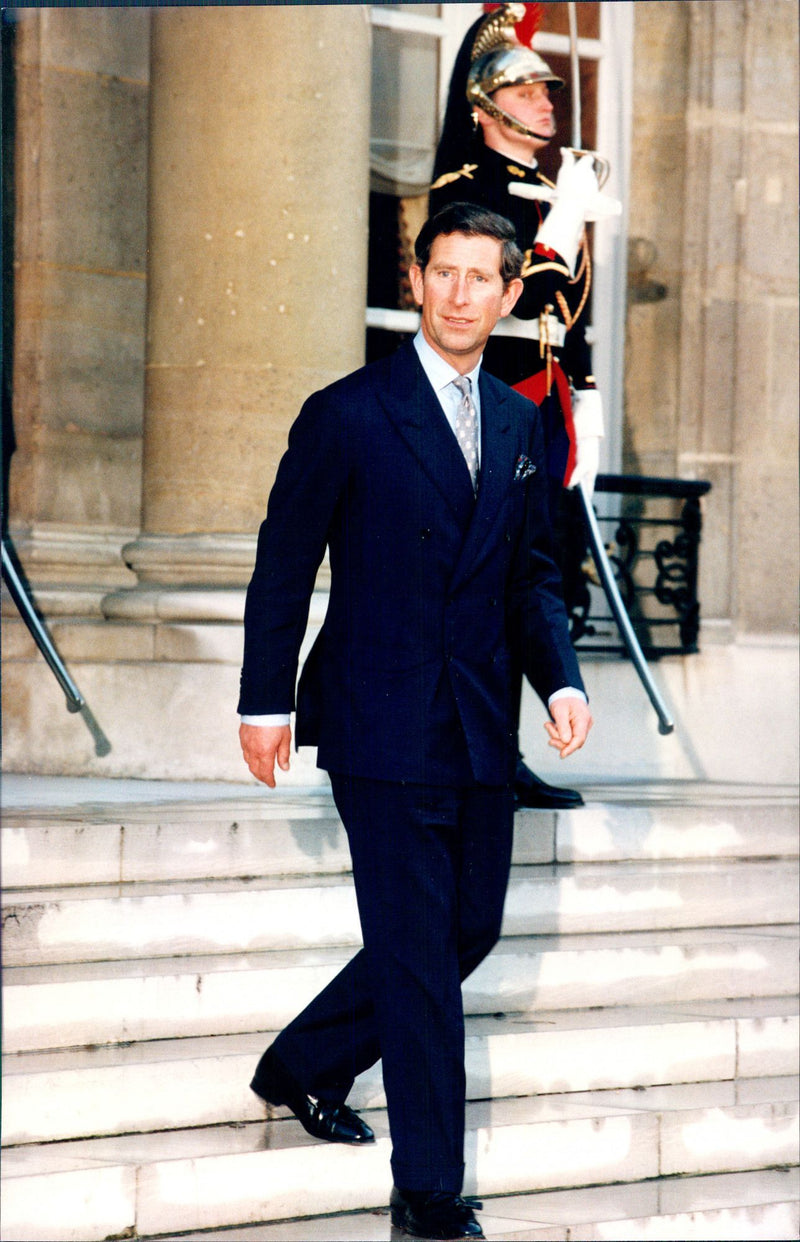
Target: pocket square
x=524 y=468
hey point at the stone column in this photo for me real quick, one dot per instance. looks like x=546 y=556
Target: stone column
x=256 y=288
x=256 y=275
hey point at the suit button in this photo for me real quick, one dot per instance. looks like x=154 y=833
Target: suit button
x=425 y=533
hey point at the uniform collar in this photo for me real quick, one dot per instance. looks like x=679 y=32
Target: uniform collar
x=507 y=163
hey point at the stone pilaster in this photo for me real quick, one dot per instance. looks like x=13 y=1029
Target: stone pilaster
x=79 y=290
x=656 y=228
x=80 y=148
x=738 y=390
x=711 y=381
x=767 y=342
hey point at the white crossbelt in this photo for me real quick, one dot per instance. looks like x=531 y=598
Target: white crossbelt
x=531 y=329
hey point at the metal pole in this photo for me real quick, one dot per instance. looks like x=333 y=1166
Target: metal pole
x=575 y=70
x=604 y=568
x=75 y=700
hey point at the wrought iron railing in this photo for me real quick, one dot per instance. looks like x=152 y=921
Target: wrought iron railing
x=652 y=534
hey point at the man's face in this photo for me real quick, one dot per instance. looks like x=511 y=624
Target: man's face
x=528 y=102
x=462 y=296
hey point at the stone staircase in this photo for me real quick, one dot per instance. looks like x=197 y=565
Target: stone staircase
x=632 y=1042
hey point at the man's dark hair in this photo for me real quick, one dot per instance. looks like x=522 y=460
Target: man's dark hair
x=472 y=221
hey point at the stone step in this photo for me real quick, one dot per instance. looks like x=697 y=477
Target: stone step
x=158 y=1184
x=110 y=922
x=175 y=1084
x=165 y=998
x=722 y=1207
x=704 y=825
x=107 y=842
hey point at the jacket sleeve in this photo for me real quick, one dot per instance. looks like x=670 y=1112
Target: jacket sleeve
x=291 y=545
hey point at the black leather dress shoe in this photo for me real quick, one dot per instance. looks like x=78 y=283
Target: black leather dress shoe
x=530 y=791
x=434 y=1214
x=336 y=1123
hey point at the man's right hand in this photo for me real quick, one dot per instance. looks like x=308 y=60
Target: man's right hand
x=261 y=745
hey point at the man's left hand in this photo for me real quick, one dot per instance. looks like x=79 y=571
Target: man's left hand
x=570 y=725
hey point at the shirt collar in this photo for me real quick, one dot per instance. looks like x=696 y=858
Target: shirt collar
x=439 y=372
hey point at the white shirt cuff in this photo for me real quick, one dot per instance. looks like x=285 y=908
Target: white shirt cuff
x=276 y=721
x=568 y=692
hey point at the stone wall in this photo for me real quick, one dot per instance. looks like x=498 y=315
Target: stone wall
x=711 y=371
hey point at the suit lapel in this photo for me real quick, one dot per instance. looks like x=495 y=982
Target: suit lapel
x=415 y=412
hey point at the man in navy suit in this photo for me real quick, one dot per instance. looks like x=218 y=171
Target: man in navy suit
x=431 y=495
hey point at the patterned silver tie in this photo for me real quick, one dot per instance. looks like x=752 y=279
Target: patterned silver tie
x=467 y=427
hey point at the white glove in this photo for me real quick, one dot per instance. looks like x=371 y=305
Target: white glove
x=587 y=415
x=576 y=187
x=576 y=199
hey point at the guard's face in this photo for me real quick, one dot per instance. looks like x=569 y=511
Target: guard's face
x=462 y=296
x=530 y=103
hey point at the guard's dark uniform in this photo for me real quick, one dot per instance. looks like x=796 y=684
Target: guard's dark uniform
x=549 y=289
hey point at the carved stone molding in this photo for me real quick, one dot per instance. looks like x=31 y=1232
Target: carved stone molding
x=198 y=560
x=189 y=578
x=70 y=569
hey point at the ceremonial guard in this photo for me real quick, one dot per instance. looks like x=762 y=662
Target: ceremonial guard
x=499 y=116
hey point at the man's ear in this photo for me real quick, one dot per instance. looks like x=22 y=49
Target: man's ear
x=415 y=275
x=511 y=295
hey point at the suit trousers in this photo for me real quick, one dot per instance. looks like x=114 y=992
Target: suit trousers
x=431 y=866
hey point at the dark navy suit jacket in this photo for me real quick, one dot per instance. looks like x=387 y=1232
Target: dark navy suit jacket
x=434 y=594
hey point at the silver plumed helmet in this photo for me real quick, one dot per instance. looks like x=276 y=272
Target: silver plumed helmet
x=498 y=59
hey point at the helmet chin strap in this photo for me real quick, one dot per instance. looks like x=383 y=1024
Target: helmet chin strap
x=487 y=104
